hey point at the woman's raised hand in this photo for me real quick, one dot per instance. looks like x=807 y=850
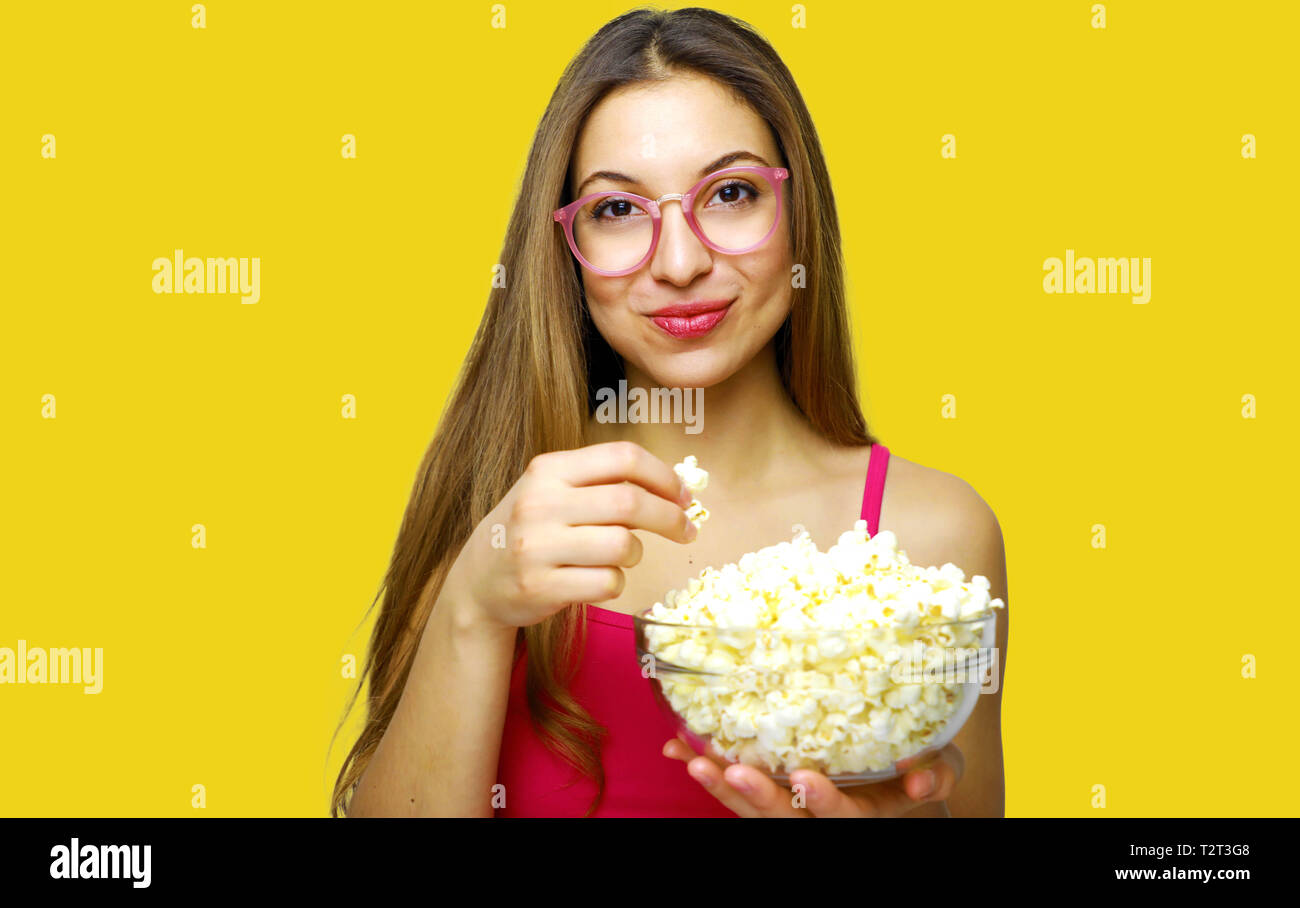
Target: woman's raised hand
x=563 y=533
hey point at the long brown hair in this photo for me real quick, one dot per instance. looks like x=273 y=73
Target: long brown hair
x=528 y=383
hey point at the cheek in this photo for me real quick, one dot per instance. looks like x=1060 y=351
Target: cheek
x=776 y=260
x=771 y=281
x=600 y=300
x=606 y=303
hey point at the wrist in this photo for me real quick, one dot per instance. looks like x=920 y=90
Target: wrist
x=465 y=614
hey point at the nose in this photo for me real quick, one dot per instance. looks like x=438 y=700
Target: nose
x=680 y=255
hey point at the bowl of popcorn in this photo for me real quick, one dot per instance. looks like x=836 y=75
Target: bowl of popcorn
x=848 y=662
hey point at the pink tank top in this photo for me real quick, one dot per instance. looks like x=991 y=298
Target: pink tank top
x=639 y=780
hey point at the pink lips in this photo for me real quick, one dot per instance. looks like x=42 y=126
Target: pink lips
x=691 y=319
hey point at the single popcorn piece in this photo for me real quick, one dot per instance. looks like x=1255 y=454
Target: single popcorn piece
x=695 y=479
x=838 y=661
x=697 y=513
x=689 y=472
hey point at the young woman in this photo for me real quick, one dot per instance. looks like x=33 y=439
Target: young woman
x=676 y=168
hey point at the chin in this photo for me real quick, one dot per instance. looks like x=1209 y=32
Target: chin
x=697 y=369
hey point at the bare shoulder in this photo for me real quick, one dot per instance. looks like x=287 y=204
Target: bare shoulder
x=939 y=517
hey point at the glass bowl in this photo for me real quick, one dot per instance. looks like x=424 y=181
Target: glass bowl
x=858 y=705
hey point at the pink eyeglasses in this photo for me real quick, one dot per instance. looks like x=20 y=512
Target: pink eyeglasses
x=615 y=233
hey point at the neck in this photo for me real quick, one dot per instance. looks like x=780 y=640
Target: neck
x=750 y=431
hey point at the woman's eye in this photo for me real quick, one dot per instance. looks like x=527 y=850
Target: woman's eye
x=734 y=193
x=618 y=208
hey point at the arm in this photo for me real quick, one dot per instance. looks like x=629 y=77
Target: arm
x=439 y=754
x=569 y=520
x=981 y=790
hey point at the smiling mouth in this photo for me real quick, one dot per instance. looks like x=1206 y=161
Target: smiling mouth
x=688 y=326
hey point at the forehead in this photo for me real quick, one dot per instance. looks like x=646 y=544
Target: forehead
x=663 y=130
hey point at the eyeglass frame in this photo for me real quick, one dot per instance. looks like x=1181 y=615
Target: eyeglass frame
x=567 y=214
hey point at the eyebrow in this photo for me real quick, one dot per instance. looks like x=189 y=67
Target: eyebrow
x=725 y=161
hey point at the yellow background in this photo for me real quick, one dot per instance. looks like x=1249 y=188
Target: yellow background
x=222 y=665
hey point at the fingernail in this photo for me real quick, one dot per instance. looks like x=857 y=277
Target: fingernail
x=927 y=786
x=702 y=779
x=742 y=786
x=691 y=530
x=683 y=495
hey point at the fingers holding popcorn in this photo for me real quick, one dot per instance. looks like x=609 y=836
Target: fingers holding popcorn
x=626 y=505
x=562 y=534
x=594 y=545
x=611 y=463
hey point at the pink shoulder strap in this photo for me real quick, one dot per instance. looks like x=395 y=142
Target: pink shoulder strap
x=875 y=490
